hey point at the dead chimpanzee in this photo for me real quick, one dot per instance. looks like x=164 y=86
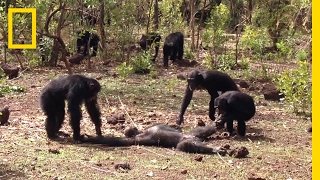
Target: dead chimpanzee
x=86 y=39
x=148 y=39
x=212 y=81
x=173 y=47
x=76 y=89
x=166 y=136
x=235 y=105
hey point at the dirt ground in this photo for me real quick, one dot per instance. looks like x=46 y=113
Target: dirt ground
x=279 y=145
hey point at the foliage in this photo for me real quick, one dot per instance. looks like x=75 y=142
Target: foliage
x=189 y=54
x=286 y=47
x=5 y=89
x=295 y=84
x=255 y=39
x=213 y=35
x=171 y=17
x=124 y=70
x=141 y=63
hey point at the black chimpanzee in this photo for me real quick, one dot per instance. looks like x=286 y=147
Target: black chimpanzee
x=148 y=39
x=212 y=81
x=173 y=47
x=166 y=136
x=234 y=105
x=76 y=89
x=83 y=41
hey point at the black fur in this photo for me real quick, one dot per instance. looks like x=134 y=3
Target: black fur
x=165 y=136
x=82 y=42
x=76 y=89
x=148 y=39
x=173 y=47
x=212 y=81
x=235 y=105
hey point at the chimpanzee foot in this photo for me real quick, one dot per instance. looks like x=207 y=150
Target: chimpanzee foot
x=63 y=134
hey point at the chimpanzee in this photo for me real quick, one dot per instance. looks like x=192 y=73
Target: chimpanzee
x=76 y=89
x=212 y=81
x=163 y=135
x=148 y=39
x=173 y=47
x=82 y=41
x=234 y=105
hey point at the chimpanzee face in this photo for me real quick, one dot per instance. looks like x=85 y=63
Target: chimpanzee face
x=195 y=80
x=222 y=105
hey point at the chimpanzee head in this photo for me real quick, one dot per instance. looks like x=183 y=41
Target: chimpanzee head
x=195 y=80
x=94 y=89
x=222 y=105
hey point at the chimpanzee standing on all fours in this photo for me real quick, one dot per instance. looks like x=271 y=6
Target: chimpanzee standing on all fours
x=173 y=47
x=76 y=89
x=148 y=39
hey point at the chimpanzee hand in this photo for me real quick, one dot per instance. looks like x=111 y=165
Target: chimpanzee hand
x=219 y=125
x=179 y=120
x=219 y=150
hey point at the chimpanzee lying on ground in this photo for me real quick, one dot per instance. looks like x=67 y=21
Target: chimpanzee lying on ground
x=147 y=40
x=83 y=39
x=235 y=105
x=75 y=89
x=212 y=81
x=165 y=136
x=173 y=47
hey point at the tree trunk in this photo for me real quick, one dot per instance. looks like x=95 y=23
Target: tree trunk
x=102 y=31
x=54 y=53
x=156 y=15
x=191 y=25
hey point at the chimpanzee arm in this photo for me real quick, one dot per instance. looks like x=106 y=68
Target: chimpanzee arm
x=186 y=101
x=110 y=141
x=202 y=132
x=75 y=115
x=212 y=109
x=94 y=112
x=194 y=146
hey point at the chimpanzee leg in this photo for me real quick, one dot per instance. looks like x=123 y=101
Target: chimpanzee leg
x=95 y=50
x=241 y=128
x=157 y=50
x=50 y=124
x=60 y=114
x=75 y=115
x=212 y=110
x=230 y=126
x=173 y=56
x=166 y=54
x=180 y=50
x=94 y=112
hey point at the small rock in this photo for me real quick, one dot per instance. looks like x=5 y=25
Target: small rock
x=122 y=166
x=201 y=123
x=198 y=158
x=54 y=151
x=184 y=171
x=239 y=152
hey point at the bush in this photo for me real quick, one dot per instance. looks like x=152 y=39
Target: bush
x=295 y=84
x=141 y=63
x=124 y=70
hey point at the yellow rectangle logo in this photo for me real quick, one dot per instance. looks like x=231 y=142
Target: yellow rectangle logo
x=33 y=44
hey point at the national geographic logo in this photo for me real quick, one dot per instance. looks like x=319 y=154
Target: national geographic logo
x=33 y=30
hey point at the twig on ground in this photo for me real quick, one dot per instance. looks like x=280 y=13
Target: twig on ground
x=134 y=124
